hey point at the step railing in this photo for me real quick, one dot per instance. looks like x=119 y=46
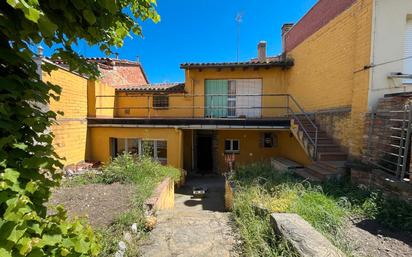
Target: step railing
x=208 y=106
x=299 y=115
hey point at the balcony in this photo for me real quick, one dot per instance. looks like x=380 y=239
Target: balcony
x=195 y=111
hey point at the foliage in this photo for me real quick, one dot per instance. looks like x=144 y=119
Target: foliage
x=144 y=174
x=141 y=170
x=326 y=206
x=28 y=162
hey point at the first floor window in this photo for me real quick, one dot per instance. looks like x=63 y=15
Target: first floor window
x=232 y=146
x=160 y=101
x=157 y=149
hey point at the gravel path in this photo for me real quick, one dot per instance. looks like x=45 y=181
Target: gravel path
x=195 y=227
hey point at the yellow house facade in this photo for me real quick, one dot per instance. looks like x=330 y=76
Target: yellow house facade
x=309 y=104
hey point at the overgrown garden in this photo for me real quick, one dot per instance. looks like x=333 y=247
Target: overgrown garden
x=327 y=206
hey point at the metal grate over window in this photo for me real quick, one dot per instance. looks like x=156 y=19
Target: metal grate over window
x=161 y=101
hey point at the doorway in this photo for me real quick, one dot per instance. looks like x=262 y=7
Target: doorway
x=204 y=154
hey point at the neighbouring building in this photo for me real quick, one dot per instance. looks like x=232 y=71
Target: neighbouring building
x=311 y=104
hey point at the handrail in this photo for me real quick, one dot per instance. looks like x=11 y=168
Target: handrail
x=302 y=112
x=290 y=101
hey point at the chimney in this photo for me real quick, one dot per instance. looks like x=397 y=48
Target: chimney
x=285 y=29
x=117 y=56
x=262 y=51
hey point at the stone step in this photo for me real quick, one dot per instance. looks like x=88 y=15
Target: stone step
x=332 y=156
x=321 y=173
x=328 y=148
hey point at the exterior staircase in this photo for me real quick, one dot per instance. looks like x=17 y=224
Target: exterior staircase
x=329 y=159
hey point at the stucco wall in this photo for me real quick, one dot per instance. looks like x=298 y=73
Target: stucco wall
x=388 y=44
x=99 y=106
x=71 y=128
x=251 y=149
x=99 y=141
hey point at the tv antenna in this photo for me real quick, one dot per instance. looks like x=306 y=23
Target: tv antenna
x=238 y=19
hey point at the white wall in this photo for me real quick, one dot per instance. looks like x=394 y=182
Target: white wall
x=389 y=26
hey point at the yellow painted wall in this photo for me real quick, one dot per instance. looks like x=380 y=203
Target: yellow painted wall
x=95 y=92
x=99 y=141
x=273 y=80
x=252 y=151
x=71 y=130
x=138 y=103
x=323 y=75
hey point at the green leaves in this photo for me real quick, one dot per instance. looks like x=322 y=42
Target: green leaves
x=89 y=16
x=28 y=163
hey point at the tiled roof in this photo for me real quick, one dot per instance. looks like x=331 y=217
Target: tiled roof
x=275 y=61
x=149 y=88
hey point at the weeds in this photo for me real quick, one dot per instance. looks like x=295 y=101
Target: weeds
x=140 y=171
x=326 y=206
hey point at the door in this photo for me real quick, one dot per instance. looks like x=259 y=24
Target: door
x=204 y=154
x=216 y=98
x=249 y=99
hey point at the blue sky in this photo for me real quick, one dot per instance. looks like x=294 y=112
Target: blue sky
x=205 y=31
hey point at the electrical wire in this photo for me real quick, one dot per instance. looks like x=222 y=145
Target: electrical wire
x=370 y=66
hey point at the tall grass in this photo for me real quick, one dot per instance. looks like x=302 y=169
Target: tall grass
x=326 y=206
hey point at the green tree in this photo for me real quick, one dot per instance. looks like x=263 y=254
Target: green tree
x=28 y=164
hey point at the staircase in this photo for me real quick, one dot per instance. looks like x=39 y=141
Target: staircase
x=329 y=159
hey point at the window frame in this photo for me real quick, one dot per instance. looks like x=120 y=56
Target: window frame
x=160 y=104
x=140 y=141
x=231 y=150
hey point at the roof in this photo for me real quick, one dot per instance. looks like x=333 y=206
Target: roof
x=114 y=71
x=151 y=88
x=273 y=61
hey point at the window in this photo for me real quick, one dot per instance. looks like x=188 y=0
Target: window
x=408 y=51
x=160 y=101
x=232 y=146
x=157 y=149
x=233 y=98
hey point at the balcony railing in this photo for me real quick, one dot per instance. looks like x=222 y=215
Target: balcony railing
x=209 y=106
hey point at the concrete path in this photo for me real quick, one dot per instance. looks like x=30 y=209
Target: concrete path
x=195 y=227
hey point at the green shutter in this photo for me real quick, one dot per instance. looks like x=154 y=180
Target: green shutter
x=216 y=106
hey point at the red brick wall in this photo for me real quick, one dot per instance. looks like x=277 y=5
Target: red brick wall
x=123 y=76
x=320 y=14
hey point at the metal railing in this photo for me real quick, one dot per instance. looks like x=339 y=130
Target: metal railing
x=211 y=106
x=389 y=139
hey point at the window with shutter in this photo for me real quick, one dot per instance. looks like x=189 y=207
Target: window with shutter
x=408 y=51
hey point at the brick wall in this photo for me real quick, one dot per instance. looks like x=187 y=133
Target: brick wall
x=379 y=130
x=323 y=76
x=320 y=14
x=336 y=123
x=71 y=128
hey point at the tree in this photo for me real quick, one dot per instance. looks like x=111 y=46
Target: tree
x=28 y=164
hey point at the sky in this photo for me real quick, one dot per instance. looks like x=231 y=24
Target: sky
x=205 y=31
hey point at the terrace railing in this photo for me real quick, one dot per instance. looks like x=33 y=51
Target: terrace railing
x=209 y=106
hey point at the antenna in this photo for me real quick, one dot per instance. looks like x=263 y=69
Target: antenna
x=238 y=19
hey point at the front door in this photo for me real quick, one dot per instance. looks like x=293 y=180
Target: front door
x=204 y=154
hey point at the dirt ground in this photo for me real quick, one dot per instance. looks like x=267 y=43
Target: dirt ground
x=101 y=203
x=370 y=239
